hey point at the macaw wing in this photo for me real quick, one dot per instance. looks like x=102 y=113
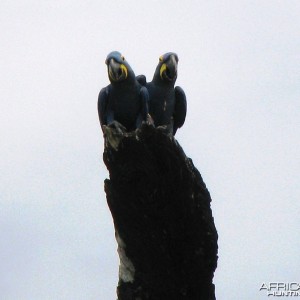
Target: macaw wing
x=180 y=108
x=141 y=80
x=102 y=106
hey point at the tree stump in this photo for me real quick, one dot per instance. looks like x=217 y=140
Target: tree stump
x=167 y=240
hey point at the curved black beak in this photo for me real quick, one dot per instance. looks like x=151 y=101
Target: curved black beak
x=171 y=70
x=116 y=71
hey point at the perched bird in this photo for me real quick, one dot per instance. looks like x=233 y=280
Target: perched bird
x=124 y=100
x=167 y=104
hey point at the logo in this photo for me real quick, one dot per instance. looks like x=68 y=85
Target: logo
x=281 y=289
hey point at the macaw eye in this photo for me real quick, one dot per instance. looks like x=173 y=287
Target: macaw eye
x=123 y=58
x=161 y=58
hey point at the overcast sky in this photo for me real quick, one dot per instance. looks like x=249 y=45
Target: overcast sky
x=239 y=64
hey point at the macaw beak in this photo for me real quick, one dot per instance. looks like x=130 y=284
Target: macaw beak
x=116 y=71
x=168 y=69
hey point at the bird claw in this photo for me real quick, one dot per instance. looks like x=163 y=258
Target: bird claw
x=149 y=120
x=117 y=126
x=166 y=129
x=113 y=134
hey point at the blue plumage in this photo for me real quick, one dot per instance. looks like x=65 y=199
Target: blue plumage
x=167 y=104
x=124 y=100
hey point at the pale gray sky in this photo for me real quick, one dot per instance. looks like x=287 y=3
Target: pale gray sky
x=240 y=68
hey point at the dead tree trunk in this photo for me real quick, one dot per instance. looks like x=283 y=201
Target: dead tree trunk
x=167 y=240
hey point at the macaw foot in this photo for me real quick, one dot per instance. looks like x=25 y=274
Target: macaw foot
x=113 y=134
x=166 y=129
x=117 y=126
x=149 y=120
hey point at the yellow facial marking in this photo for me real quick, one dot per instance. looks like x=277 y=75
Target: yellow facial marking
x=162 y=69
x=124 y=69
x=161 y=58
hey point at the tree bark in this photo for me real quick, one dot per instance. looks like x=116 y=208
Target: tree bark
x=167 y=240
